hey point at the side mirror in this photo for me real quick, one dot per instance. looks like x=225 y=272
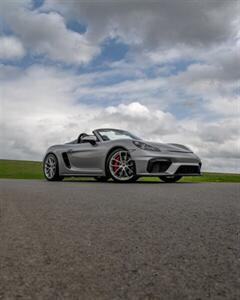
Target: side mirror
x=89 y=139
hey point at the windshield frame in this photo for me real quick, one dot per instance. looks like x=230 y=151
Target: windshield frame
x=99 y=134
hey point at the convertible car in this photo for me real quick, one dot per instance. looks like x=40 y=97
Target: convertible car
x=120 y=155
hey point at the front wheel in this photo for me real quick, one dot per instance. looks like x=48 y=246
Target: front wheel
x=121 y=167
x=50 y=168
x=170 y=179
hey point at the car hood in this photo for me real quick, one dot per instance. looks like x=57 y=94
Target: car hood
x=169 y=147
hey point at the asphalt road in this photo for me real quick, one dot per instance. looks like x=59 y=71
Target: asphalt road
x=87 y=240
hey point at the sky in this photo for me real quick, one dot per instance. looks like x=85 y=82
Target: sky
x=165 y=70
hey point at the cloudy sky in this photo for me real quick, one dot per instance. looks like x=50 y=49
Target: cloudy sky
x=167 y=70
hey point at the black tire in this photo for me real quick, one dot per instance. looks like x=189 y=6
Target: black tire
x=170 y=179
x=54 y=176
x=131 y=178
x=101 y=178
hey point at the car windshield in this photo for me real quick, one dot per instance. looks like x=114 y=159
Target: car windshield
x=114 y=134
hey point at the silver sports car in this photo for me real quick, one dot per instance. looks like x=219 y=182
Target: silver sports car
x=120 y=155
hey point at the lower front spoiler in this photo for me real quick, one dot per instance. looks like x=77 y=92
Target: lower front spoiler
x=177 y=169
x=167 y=174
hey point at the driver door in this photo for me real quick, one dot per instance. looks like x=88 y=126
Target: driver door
x=85 y=158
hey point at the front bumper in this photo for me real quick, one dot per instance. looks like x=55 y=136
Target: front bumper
x=166 y=163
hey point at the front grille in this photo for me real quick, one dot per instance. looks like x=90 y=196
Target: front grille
x=188 y=170
x=158 y=166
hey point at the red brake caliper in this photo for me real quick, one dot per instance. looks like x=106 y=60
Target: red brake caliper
x=116 y=163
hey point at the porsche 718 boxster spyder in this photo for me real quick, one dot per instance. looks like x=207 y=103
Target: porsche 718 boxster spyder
x=120 y=155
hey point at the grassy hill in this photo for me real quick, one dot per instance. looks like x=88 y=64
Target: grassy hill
x=20 y=169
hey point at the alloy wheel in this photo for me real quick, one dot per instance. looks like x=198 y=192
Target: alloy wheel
x=121 y=166
x=50 y=167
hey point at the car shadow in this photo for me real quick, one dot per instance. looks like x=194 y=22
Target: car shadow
x=137 y=182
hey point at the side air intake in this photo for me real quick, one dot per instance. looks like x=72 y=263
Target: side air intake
x=157 y=165
x=66 y=160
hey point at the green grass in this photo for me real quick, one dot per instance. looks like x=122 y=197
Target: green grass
x=20 y=169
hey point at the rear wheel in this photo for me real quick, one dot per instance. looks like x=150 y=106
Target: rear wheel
x=170 y=179
x=50 y=168
x=121 y=167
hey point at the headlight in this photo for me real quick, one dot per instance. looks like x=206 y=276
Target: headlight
x=145 y=146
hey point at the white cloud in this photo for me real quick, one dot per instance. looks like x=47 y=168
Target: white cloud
x=153 y=95
x=47 y=34
x=220 y=65
x=225 y=106
x=155 y=23
x=11 y=48
x=42 y=109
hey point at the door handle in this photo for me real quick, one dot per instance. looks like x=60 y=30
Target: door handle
x=70 y=151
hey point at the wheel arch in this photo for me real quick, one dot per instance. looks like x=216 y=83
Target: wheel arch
x=56 y=155
x=108 y=154
x=51 y=152
x=57 y=176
